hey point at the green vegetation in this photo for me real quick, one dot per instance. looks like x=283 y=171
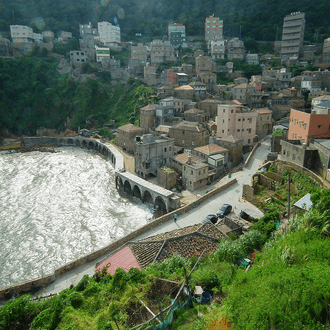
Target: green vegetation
x=287 y=286
x=34 y=94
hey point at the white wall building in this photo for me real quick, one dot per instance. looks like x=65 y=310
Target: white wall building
x=21 y=33
x=108 y=34
x=218 y=49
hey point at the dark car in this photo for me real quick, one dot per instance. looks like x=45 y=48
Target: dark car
x=224 y=210
x=211 y=217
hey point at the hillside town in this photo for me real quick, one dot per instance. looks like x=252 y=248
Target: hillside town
x=200 y=128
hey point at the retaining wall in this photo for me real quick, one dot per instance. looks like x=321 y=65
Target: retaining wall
x=7 y=292
x=252 y=153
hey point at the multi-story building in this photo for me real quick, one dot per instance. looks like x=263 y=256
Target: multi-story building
x=161 y=52
x=139 y=53
x=234 y=120
x=147 y=117
x=65 y=36
x=108 y=34
x=304 y=125
x=264 y=123
x=199 y=87
x=293 y=36
x=235 y=49
x=234 y=145
x=102 y=53
x=209 y=79
x=213 y=29
x=204 y=63
x=126 y=136
x=78 y=56
x=38 y=37
x=326 y=46
x=177 y=39
x=252 y=59
x=176 y=27
x=311 y=84
x=87 y=29
x=21 y=33
x=48 y=36
x=218 y=49
x=189 y=134
x=151 y=153
x=240 y=92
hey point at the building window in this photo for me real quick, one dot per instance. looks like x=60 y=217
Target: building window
x=184 y=168
x=191 y=172
x=224 y=110
x=318 y=126
x=249 y=141
x=293 y=157
x=238 y=130
x=300 y=124
x=182 y=132
x=239 y=119
x=164 y=149
x=242 y=129
x=305 y=126
x=224 y=131
x=232 y=111
x=294 y=122
x=292 y=135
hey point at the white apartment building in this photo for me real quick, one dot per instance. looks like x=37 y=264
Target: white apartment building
x=108 y=34
x=218 y=49
x=38 y=37
x=21 y=33
x=233 y=120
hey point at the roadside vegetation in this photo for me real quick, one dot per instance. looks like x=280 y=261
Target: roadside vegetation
x=286 y=287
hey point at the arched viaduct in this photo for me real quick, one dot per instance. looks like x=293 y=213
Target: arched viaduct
x=138 y=187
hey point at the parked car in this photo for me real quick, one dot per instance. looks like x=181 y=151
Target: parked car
x=224 y=210
x=211 y=217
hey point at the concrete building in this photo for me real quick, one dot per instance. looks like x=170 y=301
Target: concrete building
x=87 y=29
x=139 y=53
x=234 y=120
x=284 y=76
x=21 y=33
x=305 y=125
x=161 y=52
x=48 y=36
x=209 y=79
x=218 y=49
x=311 y=84
x=208 y=150
x=176 y=27
x=65 y=36
x=189 y=134
x=293 y=36
x=181 y=78
x=252 y=59
x=151 y=153
x=126 y=136
x=108 y=34
x=78 y=56
x=196 y=115
x=177 y=39
x=102 y=53
x=210 y=106
x=326 y=46
x=213 y=29
x=320 y=99
x=235 y=49
x=264 y=123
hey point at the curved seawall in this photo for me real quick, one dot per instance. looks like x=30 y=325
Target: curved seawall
x=115 y=157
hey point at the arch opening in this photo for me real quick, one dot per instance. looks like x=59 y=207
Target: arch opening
x=147 y=198
x=127 y=187
x=160 y=204
x=77 y=143
x=70 y=142
x=137 y=192
x=84 y=144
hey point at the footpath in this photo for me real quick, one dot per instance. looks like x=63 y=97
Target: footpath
x=231 y=195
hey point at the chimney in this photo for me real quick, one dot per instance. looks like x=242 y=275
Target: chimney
x=189 y=159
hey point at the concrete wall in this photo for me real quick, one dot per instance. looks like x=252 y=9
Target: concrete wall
x=7 y=292
x=252 y=153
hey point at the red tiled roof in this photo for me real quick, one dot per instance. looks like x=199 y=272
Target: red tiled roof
x=237 y=102
x=124 y=259
x=210 y=149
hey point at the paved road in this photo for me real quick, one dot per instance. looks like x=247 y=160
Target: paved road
x=230 y=196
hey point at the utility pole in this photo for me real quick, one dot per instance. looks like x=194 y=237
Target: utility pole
x=288 y=216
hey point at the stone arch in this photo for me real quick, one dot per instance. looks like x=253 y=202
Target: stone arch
x=137 y=192
x=147 y=197
x=91 y=145
x=119 y=182
x=106 y=151
x=84 y=144
x=160 y=203
x=77 y=143
x=127 y=187
x=70 y=142
x=61 y=142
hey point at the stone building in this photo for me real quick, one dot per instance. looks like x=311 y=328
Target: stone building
x=147 y=117
x=208 y=150
x=78 y=56
x=218 y=49
x=200 y=88
x=184 y=92
x=264 y=123
x=204 y=63
x=235 y=49
x=209 y=79
x=234 y=146
x=210 y=106
x=293 y=36
x=151 y=153
x=189 y=134
x=139 y=53
x=126 y=136
x=196 y=115
x=161 y=52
